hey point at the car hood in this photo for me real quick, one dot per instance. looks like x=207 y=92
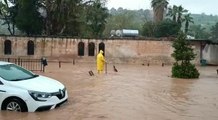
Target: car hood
x=40 y=84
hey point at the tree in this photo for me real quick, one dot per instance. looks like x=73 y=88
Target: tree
x=73 y=17
x=28 y=18
x=65 y=17
x=198 y=32
x=62 y=16
x=8 y=14
x=180 y=12
x=167 y=28
x=96 y=18
x=148 y=29
x=177 y=13
x=159 y=7
x=188 y=19
x=172 y=12
x=183 y=55
x=214 y=32
x=126 y=19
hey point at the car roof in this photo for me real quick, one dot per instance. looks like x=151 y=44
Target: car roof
x=4 y=63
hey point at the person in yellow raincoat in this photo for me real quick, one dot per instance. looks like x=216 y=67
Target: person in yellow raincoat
x=100 y=62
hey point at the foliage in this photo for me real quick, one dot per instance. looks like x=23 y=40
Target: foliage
x=214 y=32
x=72 y=18
x=96 y=18
x=52 y=17
x=159 y=6
x=172 y=12
x=62 y=17
x=180 y=12
x=198 y=32
x=148 y=29
x=206 y=21
x=8 y=14
x=183 y=54
x=28 y=18
x=189 y=71
x=167 y=28
x=188 y=19
x=179 y=15
x=126 y=19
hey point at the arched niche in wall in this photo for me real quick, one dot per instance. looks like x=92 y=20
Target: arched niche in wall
x=30 y=47
x=81 y=48
x=91 y=47
x=7 y=47
x=101 y=47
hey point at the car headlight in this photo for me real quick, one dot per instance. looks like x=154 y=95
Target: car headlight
x=39 y=96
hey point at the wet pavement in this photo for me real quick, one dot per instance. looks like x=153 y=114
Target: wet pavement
x=135 y=92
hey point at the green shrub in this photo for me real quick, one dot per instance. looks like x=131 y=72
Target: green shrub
x=184 y=71
x=183 y=54
x=165 y=28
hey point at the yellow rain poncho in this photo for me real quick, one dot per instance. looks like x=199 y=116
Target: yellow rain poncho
x=100 y=61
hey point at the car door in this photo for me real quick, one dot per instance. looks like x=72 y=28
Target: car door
x=2 y=90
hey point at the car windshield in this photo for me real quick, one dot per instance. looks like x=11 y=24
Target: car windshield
x=12 y=72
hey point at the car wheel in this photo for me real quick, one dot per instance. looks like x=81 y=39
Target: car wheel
x=15 y=105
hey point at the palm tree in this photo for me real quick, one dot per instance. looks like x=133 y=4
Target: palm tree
x=172 y=12
x=180 y=12
x=159 y=7
x=188 y=19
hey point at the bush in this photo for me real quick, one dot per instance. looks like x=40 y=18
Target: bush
x=148 y=29
x=165 y=28
x=185 y=71
x=183 y=54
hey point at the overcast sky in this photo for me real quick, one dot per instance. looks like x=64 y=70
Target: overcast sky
x=194 y=6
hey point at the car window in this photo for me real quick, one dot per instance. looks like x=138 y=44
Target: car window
x=12 y=72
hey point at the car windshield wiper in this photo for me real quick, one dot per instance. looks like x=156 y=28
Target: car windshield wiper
x=33 y=76
x=25 y=78
x=17 y=79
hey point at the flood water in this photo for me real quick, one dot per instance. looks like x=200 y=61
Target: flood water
x=135 y=92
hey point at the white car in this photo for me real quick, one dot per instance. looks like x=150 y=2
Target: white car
x=24 y=91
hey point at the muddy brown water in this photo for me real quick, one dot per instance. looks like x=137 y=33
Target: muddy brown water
x=135 y=92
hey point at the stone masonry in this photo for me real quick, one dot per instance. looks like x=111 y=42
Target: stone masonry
x=140 y=51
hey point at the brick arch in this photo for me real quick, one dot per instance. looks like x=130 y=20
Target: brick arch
x=7 y=47
x=101 y=46
x=91 y=47
x=81 y=47
x=30 y=47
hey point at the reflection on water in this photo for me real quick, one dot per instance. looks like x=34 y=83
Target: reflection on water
x=134 y=93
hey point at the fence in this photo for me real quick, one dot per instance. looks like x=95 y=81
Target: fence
x=30 y=64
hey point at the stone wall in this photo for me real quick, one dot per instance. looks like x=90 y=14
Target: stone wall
x=153 y=51
x=210 y=54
